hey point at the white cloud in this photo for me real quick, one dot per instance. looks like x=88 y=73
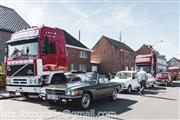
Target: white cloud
x=124 y=17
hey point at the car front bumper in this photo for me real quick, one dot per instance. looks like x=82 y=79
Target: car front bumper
x=62 y=98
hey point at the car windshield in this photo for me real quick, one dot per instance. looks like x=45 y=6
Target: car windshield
x=23 y=48
x=88 y=77
x=124 y=75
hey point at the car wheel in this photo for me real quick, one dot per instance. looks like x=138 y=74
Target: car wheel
x=114 y=95
x=129 y=90
x=85 y=101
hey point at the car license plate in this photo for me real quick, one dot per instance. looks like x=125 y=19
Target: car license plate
x=52 y=97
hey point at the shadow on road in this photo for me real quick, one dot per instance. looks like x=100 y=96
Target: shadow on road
x=160 y=97
x=158 y=88
x=98 y=108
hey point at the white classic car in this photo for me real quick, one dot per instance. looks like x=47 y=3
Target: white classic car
x=127 y=79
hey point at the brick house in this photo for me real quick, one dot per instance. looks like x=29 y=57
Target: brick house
x=78 y=54
x=10 y=22
x=112 y=55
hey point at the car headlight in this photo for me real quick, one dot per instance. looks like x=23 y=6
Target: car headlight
x=123 y=85
x=74 y=93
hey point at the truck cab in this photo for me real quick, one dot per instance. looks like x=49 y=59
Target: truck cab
x=32 y=54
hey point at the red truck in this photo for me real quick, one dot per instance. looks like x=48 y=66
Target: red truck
x=32 y=54
x=174 y=72
x=148 y=62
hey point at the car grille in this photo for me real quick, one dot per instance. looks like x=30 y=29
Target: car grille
x=19 y=81
x=56 y=92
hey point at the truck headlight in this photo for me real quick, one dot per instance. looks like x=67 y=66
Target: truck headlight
x=31 y=81
x=8 y=81
x=35 y=81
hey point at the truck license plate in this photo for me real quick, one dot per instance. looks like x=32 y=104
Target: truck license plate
x=19 y=90
x=52 y=97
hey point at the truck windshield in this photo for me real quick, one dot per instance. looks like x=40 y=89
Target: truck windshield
x=23 y=48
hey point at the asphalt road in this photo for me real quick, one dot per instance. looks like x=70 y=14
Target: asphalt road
x=158 y=103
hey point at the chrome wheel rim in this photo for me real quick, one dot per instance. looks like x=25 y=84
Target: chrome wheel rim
x=114 y=95
x=86 y=101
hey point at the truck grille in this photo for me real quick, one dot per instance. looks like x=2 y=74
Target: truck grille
x=19 y=81
x=56 y=92
x=24 y=70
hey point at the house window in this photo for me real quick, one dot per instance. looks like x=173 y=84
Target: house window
x=82 y=68
x=83 y=54
x=73 y=66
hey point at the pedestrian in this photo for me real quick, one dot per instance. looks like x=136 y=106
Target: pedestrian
x=142 y=77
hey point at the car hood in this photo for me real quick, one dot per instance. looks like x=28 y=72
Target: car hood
x=119 y=80
x=65 y=86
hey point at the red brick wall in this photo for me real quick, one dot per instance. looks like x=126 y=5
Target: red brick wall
x=110 y=57
x=73 y=58
x=144 y=50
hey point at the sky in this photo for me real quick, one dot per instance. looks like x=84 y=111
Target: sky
x=139 y=21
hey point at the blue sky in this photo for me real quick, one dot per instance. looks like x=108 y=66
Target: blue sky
x=140 y=21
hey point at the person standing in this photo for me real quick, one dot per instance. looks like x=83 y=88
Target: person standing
x=142 y=77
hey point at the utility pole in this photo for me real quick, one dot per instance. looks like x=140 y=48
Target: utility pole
x=120 y=37
x=79 y=35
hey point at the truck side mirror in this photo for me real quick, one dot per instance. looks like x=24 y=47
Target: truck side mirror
x=45 y=44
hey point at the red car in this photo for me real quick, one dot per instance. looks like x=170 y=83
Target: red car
x=163 y=78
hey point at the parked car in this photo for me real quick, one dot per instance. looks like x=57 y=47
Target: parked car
x=90 y=86
x=163 y=78
x=150 y=81
x=128 y=80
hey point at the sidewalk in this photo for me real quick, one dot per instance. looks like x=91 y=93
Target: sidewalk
x=5 y=95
